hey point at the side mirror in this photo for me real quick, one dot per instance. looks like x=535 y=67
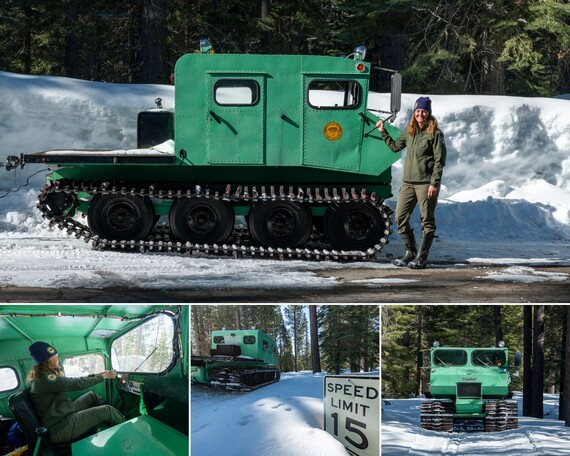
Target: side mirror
x=518 y=358
x=396 y=94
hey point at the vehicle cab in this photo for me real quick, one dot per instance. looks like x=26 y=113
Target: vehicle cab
x=145 y=344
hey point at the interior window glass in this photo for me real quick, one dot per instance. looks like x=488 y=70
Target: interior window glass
x=147 y=348
x=8 y=379
x=250 y=340
x=488 y=358
x=450 y=357
x=81 y=366
x=333 y=94
x=236 y=92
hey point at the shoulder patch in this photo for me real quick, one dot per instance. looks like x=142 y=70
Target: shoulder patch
x=52 y=377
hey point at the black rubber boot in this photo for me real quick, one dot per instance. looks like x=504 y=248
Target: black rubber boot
x=420 y=261
x=411 y=251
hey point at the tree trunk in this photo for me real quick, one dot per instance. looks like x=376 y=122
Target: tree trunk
x=391 y=56
x=563 y=366
x=238 y=318
x=527 y=365
x=538 y=363
x=152 y=41
x=315 y=353
x=493 y=71
x=567 y=370
x=498 y=324
x=420 y=361
x=71 y=58
x=295 y=339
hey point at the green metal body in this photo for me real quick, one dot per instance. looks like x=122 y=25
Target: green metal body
x=143 y=435
x=78 y=330
x=457 y=372
x=257 y=350
x=281 y=138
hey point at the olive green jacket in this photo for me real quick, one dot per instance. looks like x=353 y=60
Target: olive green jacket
x=48 y=396
x=425 y=156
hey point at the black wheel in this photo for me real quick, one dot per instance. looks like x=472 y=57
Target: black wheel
x=56 y=204
x=201 y=220
x=121 y=218
x=354 y=226
x=280 y=224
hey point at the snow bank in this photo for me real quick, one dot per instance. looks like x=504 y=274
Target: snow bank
x=281 y=419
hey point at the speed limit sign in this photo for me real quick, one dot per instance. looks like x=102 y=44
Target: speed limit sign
x=352 y=412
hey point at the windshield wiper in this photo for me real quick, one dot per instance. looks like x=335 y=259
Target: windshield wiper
x=146 y=359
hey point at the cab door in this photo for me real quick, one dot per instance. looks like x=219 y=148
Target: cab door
x=235 y=122
x=332 y=127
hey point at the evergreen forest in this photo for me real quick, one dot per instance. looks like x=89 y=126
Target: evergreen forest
x=539 y=332
x=498 y=47
x=347 y=336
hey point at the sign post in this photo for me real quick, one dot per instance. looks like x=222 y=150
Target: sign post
x=352 y=412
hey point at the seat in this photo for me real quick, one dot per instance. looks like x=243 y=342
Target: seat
x=36 y=433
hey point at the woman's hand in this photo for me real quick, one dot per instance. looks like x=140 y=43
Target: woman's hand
x=109 y=375
x=432 y=191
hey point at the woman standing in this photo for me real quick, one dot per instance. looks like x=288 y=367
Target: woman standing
x=64 y=418
x=423 y=169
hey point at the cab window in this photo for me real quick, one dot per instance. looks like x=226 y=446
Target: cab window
x=148 y=348
x=488 y=358
x=450 y=357
x=8 y=379
x=236 y=92
x=81 y=366
x=249 y=340
x=334 y=94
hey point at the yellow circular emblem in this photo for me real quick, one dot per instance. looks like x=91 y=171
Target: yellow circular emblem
x=51 y=350
x=51 y=377
x=333 y=131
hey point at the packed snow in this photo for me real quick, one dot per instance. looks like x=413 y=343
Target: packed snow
x=280 y=419
x=505 y=198
x=401 y=434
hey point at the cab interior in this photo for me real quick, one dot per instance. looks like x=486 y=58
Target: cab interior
x=145 y=344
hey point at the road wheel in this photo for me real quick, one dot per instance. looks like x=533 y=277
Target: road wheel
x=355 y=225
x=201 y=220
x=280 y=224
x=120 y=217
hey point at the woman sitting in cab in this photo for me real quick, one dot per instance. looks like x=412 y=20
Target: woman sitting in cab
x=64 y=418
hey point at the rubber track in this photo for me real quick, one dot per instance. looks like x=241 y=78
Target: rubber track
x=160 y=239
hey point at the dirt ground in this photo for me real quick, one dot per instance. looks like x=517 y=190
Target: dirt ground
x=438 y=284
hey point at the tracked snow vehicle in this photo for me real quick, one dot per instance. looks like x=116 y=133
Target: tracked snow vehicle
x=469 y=390
x=239 y=360
x=286 y=141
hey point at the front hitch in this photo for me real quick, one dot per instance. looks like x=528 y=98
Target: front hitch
x=13 y=161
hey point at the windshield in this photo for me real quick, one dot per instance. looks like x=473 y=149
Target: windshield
x=488 y=358
x=449 y=357
x=147 y=348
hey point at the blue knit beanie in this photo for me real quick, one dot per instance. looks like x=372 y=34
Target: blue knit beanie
x=423 y=103
x=41 y=351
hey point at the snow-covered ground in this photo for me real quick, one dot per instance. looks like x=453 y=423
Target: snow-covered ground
x=505 y=198
x=281 y=419
x=401 y=434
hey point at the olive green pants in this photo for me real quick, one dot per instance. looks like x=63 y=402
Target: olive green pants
x=411 y=195
x=89 y=414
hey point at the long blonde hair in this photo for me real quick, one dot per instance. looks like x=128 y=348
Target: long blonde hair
x=430 y=129
x=42 y=369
